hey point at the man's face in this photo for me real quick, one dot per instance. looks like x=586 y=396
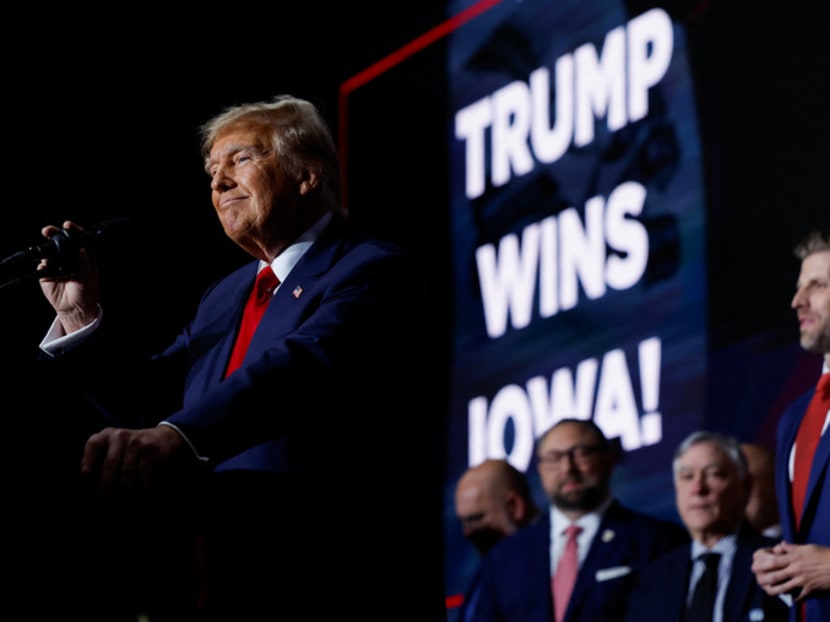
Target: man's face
x=710 y=496
x=575 y=472
x=482 y=512
x=812 y=302
x=255 y=200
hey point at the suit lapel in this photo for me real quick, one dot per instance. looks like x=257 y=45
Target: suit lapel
x=820 y=460
x=788 y=428
x=604 y=550
x=299 y=291
x=674 y=587
x=737 y=591
x=537 y=576
x=239 y=286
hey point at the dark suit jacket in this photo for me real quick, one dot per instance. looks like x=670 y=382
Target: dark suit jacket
x=660 y=589
x=471 y=595
x=515 y=583
x=340 y=332
x=815 y=523
x=333 y=392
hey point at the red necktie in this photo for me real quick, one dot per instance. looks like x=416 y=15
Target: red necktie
x=806 y=442
x=260 y=296
x=564 y=578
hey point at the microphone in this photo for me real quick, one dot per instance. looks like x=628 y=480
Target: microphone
x=62 y=247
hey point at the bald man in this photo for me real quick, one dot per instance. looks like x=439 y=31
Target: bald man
x=493 y=499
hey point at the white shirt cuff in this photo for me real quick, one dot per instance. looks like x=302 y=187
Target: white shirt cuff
x=186 y=440
x=56 y=342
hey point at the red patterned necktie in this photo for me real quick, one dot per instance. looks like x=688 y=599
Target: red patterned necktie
x=260 y=296
x=564 y=577
x=806 y=442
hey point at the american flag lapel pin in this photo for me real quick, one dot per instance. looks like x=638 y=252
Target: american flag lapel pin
x=297 y=291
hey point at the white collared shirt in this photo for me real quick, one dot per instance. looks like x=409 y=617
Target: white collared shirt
x=726 y=546
x=286 y=260
x=559 y=522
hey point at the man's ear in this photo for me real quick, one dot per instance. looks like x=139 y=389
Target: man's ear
x=308 y=181
x=516 y=506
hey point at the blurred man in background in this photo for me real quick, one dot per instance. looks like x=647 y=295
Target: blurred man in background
x=493 y=499
x=710 y=579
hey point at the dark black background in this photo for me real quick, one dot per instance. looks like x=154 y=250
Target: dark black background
x=102 y=122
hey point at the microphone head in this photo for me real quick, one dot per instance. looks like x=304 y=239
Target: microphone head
x=61 y=248
x=64 y=246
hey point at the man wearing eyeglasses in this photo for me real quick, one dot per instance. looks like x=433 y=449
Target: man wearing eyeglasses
x=522 y=579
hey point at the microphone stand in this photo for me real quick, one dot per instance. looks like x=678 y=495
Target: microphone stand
x=61 y=249
x=35 y=273
x=18 y=279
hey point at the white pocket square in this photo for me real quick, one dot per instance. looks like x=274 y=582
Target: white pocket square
x=612 y=573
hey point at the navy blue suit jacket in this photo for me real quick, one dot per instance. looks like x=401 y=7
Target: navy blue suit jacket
x=661 y=588
x=334 y=390
x=516 y=575
x=340 y=353
x=471 y=595
x=815 y=523
x=339 y=362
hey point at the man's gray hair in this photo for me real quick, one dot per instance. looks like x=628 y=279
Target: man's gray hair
x=729 y=445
